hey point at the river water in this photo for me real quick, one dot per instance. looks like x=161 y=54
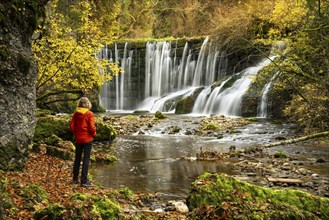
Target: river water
x=163 y=163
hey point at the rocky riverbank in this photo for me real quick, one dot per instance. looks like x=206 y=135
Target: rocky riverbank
x=49 y=176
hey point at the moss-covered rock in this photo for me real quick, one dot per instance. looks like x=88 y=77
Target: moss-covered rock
x=49 y=125
x=105 y=132
x=185 y=106
x=220 y=195
x=82 y=206
x=60 y=126
x=280 y=155
x=160 y=115
x=211 y=127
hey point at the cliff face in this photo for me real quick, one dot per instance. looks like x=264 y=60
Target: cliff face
x=18 y=72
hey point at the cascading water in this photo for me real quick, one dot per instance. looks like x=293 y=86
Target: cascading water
x=262 y=111
x=228 y=101
x=113 y=94
x=168 y=78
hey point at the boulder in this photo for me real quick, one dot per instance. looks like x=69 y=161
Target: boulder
x=222 y=196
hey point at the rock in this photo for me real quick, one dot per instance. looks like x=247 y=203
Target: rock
x=18 y=71
x=302 y=171
x=321 y=160
x=181 y=207
x=159 y=210
x=221 y=191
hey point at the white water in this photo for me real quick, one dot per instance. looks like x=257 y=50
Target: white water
x=262 y=111
x=230 y=99
x=167 y=79
x=227 y=102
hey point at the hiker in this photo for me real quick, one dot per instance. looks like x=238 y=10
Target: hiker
x=83 y=127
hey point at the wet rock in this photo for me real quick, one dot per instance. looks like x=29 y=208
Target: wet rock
x=320 y=160
x=315 y=175
x=181 y=207
x=188 y=132
x=302 y=171
x=159 y=210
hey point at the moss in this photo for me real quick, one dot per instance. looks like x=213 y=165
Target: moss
x=59 y=152
x=80 y=206
x=107 y=209
x=49 y=125
x=280 y=155
x=211 y=127
x=53 y=140
x=5 y=199
x=129 y=118
x=33 y=195
x=251 y=119
x=78 y=197
x=215 y=190
x=185 y=106
x=60 y=126
x=54 y=211
x=233 y=131
x=105 y=132
x=127 y=192
x=160 y=115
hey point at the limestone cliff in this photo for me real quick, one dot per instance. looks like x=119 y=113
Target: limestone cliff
x=18 y=72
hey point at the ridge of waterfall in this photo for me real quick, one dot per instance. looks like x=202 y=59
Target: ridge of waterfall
x=262 y=110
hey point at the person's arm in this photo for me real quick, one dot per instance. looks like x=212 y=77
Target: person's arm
x=92 y=127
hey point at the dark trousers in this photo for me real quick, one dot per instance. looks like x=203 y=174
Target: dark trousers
x=80 y=149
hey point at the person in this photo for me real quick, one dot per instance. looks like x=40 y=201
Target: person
x=83 y=127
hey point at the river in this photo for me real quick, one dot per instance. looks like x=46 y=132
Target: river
x=165 y=163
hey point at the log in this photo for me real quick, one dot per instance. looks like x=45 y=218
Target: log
x=295 y=140
x=284 y=180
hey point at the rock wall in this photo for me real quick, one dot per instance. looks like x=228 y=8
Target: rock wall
x=18 y=72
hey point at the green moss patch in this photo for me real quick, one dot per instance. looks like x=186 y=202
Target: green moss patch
x=60 y=126
x=224 y=196
x=82 y=206
x=160 y=115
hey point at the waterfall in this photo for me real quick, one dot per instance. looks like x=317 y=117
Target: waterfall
x=169 y=74
x=114 y=93
x=262 y=110
x=229 y=100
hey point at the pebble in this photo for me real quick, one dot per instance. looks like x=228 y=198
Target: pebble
x=302 y=171
x=181 y=207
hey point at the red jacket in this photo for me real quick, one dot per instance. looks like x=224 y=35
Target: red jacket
x=83 y=126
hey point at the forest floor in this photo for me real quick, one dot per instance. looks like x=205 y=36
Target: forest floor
x=55 y=176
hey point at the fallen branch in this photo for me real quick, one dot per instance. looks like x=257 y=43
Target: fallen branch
x=295 y=140
x=284 y=180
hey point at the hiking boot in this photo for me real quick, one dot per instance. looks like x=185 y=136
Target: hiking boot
x=87 y=184
x=75 y=181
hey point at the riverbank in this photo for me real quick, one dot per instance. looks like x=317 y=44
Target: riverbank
x=263 y=167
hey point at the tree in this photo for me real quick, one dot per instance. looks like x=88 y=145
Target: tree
x=67 y=51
